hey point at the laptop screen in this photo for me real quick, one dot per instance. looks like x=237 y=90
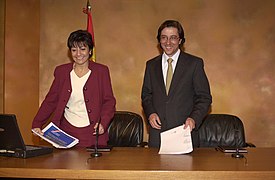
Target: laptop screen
x=10 y=136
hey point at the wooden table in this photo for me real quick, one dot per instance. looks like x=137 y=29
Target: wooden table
x=143 y=163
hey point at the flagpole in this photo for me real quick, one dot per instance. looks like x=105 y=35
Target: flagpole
x=88 y=11
x=88 y=6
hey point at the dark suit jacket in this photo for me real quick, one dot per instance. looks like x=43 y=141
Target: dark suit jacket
x=189 y=95
x=98 y=96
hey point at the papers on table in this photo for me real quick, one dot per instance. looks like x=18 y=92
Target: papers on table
x=176 y=141
x=57 y=137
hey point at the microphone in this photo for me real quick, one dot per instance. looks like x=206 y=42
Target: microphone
x=237 y=154
x=96 y=153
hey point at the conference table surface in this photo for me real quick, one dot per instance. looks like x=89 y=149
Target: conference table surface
x=142 y=163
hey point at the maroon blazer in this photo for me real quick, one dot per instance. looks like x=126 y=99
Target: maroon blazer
x=98 y=96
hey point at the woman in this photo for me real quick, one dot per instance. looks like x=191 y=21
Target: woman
x=80 y=96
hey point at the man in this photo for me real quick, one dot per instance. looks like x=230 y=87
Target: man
x=187 y=99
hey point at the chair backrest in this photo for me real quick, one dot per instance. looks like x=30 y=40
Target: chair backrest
x=222 y=130
x=125 y=129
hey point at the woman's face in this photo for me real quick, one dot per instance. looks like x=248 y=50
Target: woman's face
x=80 y=54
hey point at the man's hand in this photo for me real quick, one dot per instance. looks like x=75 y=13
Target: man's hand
x=155 y=121
x=190 y=122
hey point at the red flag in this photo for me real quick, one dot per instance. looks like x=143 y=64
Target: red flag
x=90 y=28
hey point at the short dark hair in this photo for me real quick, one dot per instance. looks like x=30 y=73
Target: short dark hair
x=79 y=38
x=175 y=24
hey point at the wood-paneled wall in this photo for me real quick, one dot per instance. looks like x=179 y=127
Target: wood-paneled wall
x=2 y=42
x=22 y=45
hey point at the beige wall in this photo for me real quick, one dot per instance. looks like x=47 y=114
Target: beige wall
x=22 y=62
x=236 y=39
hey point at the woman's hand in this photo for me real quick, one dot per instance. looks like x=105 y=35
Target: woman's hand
x=100 y=129
x=39 y=131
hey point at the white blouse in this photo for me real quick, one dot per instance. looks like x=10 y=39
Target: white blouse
x=75 y=111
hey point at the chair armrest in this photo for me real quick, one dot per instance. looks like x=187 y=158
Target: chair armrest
x=142 y=144
x=250 y=144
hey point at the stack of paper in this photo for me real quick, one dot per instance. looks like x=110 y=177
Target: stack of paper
x=176 y=141
x=57 y=137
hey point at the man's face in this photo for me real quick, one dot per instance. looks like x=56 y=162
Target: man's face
x=169 y=40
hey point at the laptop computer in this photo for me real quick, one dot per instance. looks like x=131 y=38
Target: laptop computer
x=11 y=141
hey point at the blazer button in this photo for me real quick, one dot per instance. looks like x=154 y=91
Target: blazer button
x=85 y=88
x=87 y=100
x=69 y=90
x=89 y=111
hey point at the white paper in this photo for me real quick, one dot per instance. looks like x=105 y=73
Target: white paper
x=57 y=137
x=176 y=141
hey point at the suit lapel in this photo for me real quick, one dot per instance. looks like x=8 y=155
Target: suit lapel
x=159 y=74
x=177 y=74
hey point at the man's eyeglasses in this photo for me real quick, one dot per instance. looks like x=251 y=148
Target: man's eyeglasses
x=171 y=38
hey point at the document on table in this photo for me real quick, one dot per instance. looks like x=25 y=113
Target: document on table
x=176 y=141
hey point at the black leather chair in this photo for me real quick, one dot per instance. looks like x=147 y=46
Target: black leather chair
x=222 y=130
x=126 y=130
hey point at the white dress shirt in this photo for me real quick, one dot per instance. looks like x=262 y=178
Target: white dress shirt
x=165 y=63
